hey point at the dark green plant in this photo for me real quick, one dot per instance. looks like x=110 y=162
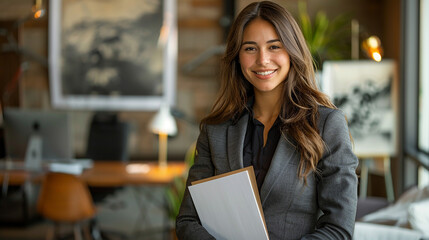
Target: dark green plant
x=174 y=194
x=326 y=39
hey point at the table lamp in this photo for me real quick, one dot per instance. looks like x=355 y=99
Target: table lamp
x=163 y=124
x=370 y=45
x=38 y=9
x=372 y=48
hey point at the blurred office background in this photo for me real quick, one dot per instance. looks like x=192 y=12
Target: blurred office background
x=201 y=26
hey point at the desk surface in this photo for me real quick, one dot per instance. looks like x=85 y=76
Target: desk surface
x=112 y=173
x=133 y=173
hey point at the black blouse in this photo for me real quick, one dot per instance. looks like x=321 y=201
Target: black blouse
x=255 y=153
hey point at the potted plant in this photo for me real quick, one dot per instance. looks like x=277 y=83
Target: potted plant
x=326 y=39
x=174 y=193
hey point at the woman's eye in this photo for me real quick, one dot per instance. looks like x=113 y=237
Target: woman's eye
x=274 y=47
x=249 y=49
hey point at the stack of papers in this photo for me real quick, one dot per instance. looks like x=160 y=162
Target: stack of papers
x=229 y=207
x=70 y=168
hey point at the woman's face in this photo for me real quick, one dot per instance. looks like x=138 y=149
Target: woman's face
x=263 y=58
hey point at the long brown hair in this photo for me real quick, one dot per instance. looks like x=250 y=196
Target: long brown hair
x=301 y=97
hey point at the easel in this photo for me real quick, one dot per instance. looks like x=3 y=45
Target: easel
x=366 y=161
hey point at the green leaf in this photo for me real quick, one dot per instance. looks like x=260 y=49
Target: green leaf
x=326 y=39
x=175 y=192
x=305 y=21
x=321 y=25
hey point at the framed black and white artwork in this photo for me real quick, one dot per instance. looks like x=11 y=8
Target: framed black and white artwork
x=366 y=92
x=112 y=54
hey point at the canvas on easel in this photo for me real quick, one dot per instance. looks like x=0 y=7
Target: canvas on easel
x=365 y=91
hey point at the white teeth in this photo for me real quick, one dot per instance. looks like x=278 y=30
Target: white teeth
x=264 y=73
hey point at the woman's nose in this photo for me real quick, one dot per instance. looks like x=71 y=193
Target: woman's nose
x=263 y=57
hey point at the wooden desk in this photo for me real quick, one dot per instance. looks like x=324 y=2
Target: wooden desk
x=110 y=174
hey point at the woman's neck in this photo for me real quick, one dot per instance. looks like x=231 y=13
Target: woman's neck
x=267 y=107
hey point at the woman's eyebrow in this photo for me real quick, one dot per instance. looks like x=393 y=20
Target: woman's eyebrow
x=248 y=42
x=254 y=43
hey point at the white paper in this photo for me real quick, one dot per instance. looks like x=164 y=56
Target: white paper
x=70 y=168
x=228 y=208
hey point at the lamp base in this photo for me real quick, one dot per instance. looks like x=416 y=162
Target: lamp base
x=162 y=152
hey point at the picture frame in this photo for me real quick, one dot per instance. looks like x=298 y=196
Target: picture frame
x=113 y=54
x=365 y=91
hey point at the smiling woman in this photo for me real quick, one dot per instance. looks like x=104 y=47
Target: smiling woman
x=271 y=115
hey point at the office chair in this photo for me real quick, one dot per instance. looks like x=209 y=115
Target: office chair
x=107 y=141
x=108 y=138
x=64 y=198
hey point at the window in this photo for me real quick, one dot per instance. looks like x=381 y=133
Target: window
x=423 y=178
x=423 y=133
x=423 y=138
x=414 y=110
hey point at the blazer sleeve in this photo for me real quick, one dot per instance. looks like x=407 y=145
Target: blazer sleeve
x=337 y=182
x=188 y=225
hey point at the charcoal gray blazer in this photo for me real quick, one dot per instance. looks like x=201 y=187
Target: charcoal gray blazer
x=325 y=208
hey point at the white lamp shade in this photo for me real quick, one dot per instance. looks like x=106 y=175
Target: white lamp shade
x=163 y=122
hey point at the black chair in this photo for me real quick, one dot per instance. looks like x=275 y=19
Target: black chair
x=107 y=141
x=108 y=138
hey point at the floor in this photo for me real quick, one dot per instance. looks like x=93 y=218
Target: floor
x=136 y=213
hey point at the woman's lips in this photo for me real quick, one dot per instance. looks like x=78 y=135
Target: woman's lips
x=265 y=74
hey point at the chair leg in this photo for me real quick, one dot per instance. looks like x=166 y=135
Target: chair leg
x=87 y=232
x=95 y=232
x=51 y=232
x=77 y=232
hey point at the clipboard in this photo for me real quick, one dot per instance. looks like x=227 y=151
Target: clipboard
x=229 y=206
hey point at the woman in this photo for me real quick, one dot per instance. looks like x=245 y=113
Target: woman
x=271 y=115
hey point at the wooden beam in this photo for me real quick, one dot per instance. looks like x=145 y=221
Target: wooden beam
x=207 y=3
x=198 y=23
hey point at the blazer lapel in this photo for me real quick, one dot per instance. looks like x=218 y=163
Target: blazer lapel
x=283 y=155
x=236 y=134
